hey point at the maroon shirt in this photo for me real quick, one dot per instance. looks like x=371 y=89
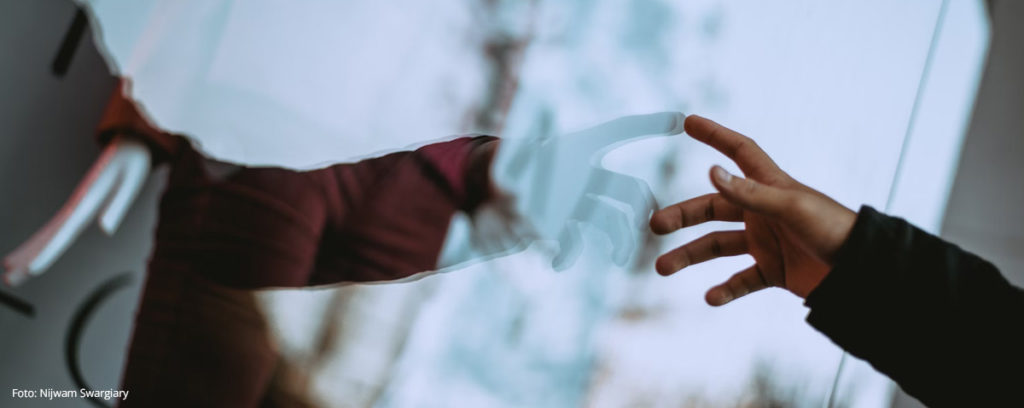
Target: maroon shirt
x=200 y=339
x=379 y=219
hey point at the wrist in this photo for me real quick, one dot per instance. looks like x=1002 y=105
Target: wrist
x=480 y=186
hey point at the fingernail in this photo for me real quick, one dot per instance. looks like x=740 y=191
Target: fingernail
x=721 y=175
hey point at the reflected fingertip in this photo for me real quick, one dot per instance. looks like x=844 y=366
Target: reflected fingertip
x=678 y=124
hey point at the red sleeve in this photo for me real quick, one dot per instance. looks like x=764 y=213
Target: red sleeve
x=392 y=213
x=378 y=219
x=222 y=228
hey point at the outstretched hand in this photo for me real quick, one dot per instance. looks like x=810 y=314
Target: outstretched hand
x=549 y=186
x=791 y=230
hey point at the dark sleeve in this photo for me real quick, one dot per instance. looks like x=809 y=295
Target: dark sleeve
x=940 y=321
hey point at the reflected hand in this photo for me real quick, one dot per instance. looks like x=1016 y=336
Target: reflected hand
x=792 y=231
x=555 y=185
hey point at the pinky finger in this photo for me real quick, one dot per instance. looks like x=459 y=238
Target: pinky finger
x=741 y=284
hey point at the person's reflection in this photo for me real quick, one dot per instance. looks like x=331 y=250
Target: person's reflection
x=199 y=337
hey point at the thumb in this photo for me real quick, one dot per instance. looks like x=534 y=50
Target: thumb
x=750 y=194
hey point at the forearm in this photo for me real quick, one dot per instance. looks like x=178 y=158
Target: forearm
x=394 y=223
x=940 y=321
x=463 y=166
x=379 y=219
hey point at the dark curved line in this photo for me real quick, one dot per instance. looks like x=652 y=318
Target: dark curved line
x=17 y=304
x=78 y=322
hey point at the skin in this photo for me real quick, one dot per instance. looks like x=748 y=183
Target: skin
x=791 y=230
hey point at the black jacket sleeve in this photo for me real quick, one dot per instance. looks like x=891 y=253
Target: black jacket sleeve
x=940 y=321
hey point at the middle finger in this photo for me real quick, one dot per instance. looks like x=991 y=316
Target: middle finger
x=709 y=207
x=708 y=247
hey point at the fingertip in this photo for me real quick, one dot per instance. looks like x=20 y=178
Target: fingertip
x=660 y=224
x=664 y=266
x=721 y=179
x=691 y=123
x=699 y=127
x=721 y=175
x=718 y=296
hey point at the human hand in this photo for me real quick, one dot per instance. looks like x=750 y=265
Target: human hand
x=791 y=230
x=549 y=186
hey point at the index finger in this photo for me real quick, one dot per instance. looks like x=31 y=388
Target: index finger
x=610 y=134
x=754 y=162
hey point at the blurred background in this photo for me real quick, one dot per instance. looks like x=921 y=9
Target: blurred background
x=914 y=108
